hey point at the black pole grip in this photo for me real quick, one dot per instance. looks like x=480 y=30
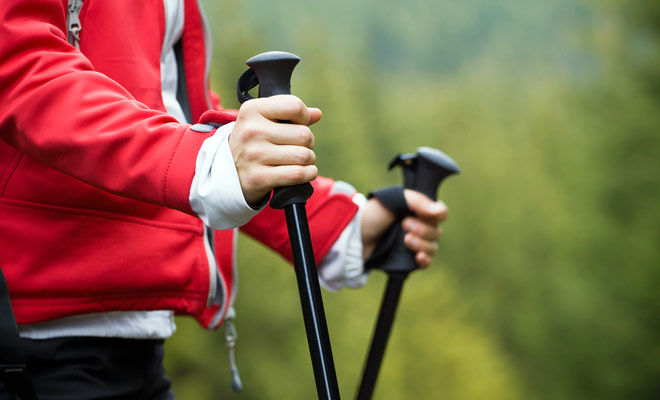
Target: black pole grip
x=423 y=172
x=272 y=72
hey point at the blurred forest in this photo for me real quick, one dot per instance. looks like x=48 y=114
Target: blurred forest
x=546 y=283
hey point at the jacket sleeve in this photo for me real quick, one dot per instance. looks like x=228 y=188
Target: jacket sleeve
x=61 y=112
x=328 y=212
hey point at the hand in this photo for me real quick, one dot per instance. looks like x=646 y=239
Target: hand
x=269 y=153
x=422 y=230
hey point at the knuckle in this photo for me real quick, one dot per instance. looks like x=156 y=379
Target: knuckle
x=313 y=172
x=306 y=137
x=299 y=106
x=428 y=231
x=251 y=155
x=252 y=131
x=411 y=241
x=305 y=157
x=245 y=132
x=297 y=175
x=444 y=213
x=426 y=261
x=249 y=106
x=295 y=105
x=256 y=180
x=303 y=174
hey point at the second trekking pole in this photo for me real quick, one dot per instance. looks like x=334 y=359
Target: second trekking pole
x=422 y=172
x=272 y=72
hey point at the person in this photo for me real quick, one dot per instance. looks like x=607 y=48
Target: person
x=123 y=183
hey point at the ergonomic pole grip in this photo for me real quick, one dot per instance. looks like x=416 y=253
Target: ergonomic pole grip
x=422 y=172
x=272 y=72
x=425 y=170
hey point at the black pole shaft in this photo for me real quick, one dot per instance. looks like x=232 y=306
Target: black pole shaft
x=272 y=72
x=381 y=335
x=311 y=302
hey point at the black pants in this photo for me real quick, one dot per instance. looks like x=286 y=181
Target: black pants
x=96 y=368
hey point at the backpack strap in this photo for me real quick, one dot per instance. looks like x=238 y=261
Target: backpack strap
x=12 y=360
x=73 y=22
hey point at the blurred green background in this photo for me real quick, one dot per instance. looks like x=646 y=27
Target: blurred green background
x=545 y=286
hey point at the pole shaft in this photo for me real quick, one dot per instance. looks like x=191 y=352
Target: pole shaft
x=381 y=335
x=311 y=301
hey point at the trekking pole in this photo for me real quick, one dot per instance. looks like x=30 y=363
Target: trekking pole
x=272 y=72
x=422 y=172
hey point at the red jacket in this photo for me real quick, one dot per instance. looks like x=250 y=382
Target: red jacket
x=95 y=176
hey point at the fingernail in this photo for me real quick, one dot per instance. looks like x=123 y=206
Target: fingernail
x=435 y=208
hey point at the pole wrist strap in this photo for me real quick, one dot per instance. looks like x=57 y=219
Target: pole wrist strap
x=393 y=199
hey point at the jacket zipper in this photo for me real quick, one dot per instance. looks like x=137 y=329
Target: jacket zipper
x=73 y=22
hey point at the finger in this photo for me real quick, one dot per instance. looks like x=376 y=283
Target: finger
x=417 y=244
x=289 y=134
x=275 y=133
x=270 y=155
x=314 y=115
x=425 y=208
x=284 y=108
x=288 y=175
x=421 y=228
x=423 y=260
x=288 y=155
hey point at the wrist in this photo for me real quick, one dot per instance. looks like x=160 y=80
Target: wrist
x=376 y=218
x=216 y=194
x=260 y=201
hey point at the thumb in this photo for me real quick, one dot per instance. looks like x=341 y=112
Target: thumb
x=425 y=208
x=315 y=115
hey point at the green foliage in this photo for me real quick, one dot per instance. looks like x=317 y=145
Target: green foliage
x=545 y=285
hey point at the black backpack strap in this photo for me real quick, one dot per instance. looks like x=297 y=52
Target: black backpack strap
x=12 y=360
